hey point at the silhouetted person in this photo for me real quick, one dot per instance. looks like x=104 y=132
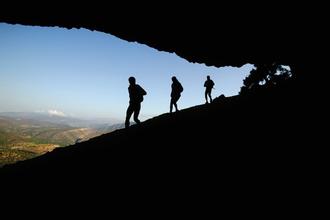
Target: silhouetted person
x=208 y=88
x=136 y=94
x=176 y=93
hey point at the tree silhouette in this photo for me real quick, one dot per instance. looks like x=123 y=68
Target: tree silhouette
x=265 y=75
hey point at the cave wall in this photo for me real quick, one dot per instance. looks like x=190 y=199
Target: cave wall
x=218 y=34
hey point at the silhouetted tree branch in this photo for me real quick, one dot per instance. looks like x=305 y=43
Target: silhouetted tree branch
x=265 y=75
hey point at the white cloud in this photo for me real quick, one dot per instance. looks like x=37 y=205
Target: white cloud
x=56 y=113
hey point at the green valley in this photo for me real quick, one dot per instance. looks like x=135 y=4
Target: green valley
x=22 y=138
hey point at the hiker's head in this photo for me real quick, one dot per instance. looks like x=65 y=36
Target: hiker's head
x=208 y=77
x=131 y=80
x=174 y=79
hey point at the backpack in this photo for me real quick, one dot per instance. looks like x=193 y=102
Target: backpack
x=180 y=87
x=141 y=93
x=211 y=83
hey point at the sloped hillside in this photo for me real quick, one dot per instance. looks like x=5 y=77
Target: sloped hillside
x=248 y=134
x=248 y=154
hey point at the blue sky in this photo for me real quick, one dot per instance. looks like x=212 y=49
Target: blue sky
x=84 y=73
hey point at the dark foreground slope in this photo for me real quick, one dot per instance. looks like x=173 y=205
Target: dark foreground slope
x=250 y=154
x=236 y=138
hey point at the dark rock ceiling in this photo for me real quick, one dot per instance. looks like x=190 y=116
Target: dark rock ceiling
x=214 y=35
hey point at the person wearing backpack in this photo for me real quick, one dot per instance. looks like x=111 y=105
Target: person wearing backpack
x=136 y=93
x=177 y=89
x=209 y=84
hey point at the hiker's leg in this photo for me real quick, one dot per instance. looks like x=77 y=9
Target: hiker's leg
x=171 y=105
x=129 y=113
x=137 y=108
x=206 y=96
x=176 y=107
x=210 y=97
x=175 y=103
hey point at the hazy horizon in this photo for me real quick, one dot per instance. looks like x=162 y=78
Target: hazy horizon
x=40 y=116
x=83 y=74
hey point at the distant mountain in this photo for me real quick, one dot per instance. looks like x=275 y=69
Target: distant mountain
x=23 y=135
x=58 y=119
x=46 y=117
x=18 y=132
x=106 y=128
